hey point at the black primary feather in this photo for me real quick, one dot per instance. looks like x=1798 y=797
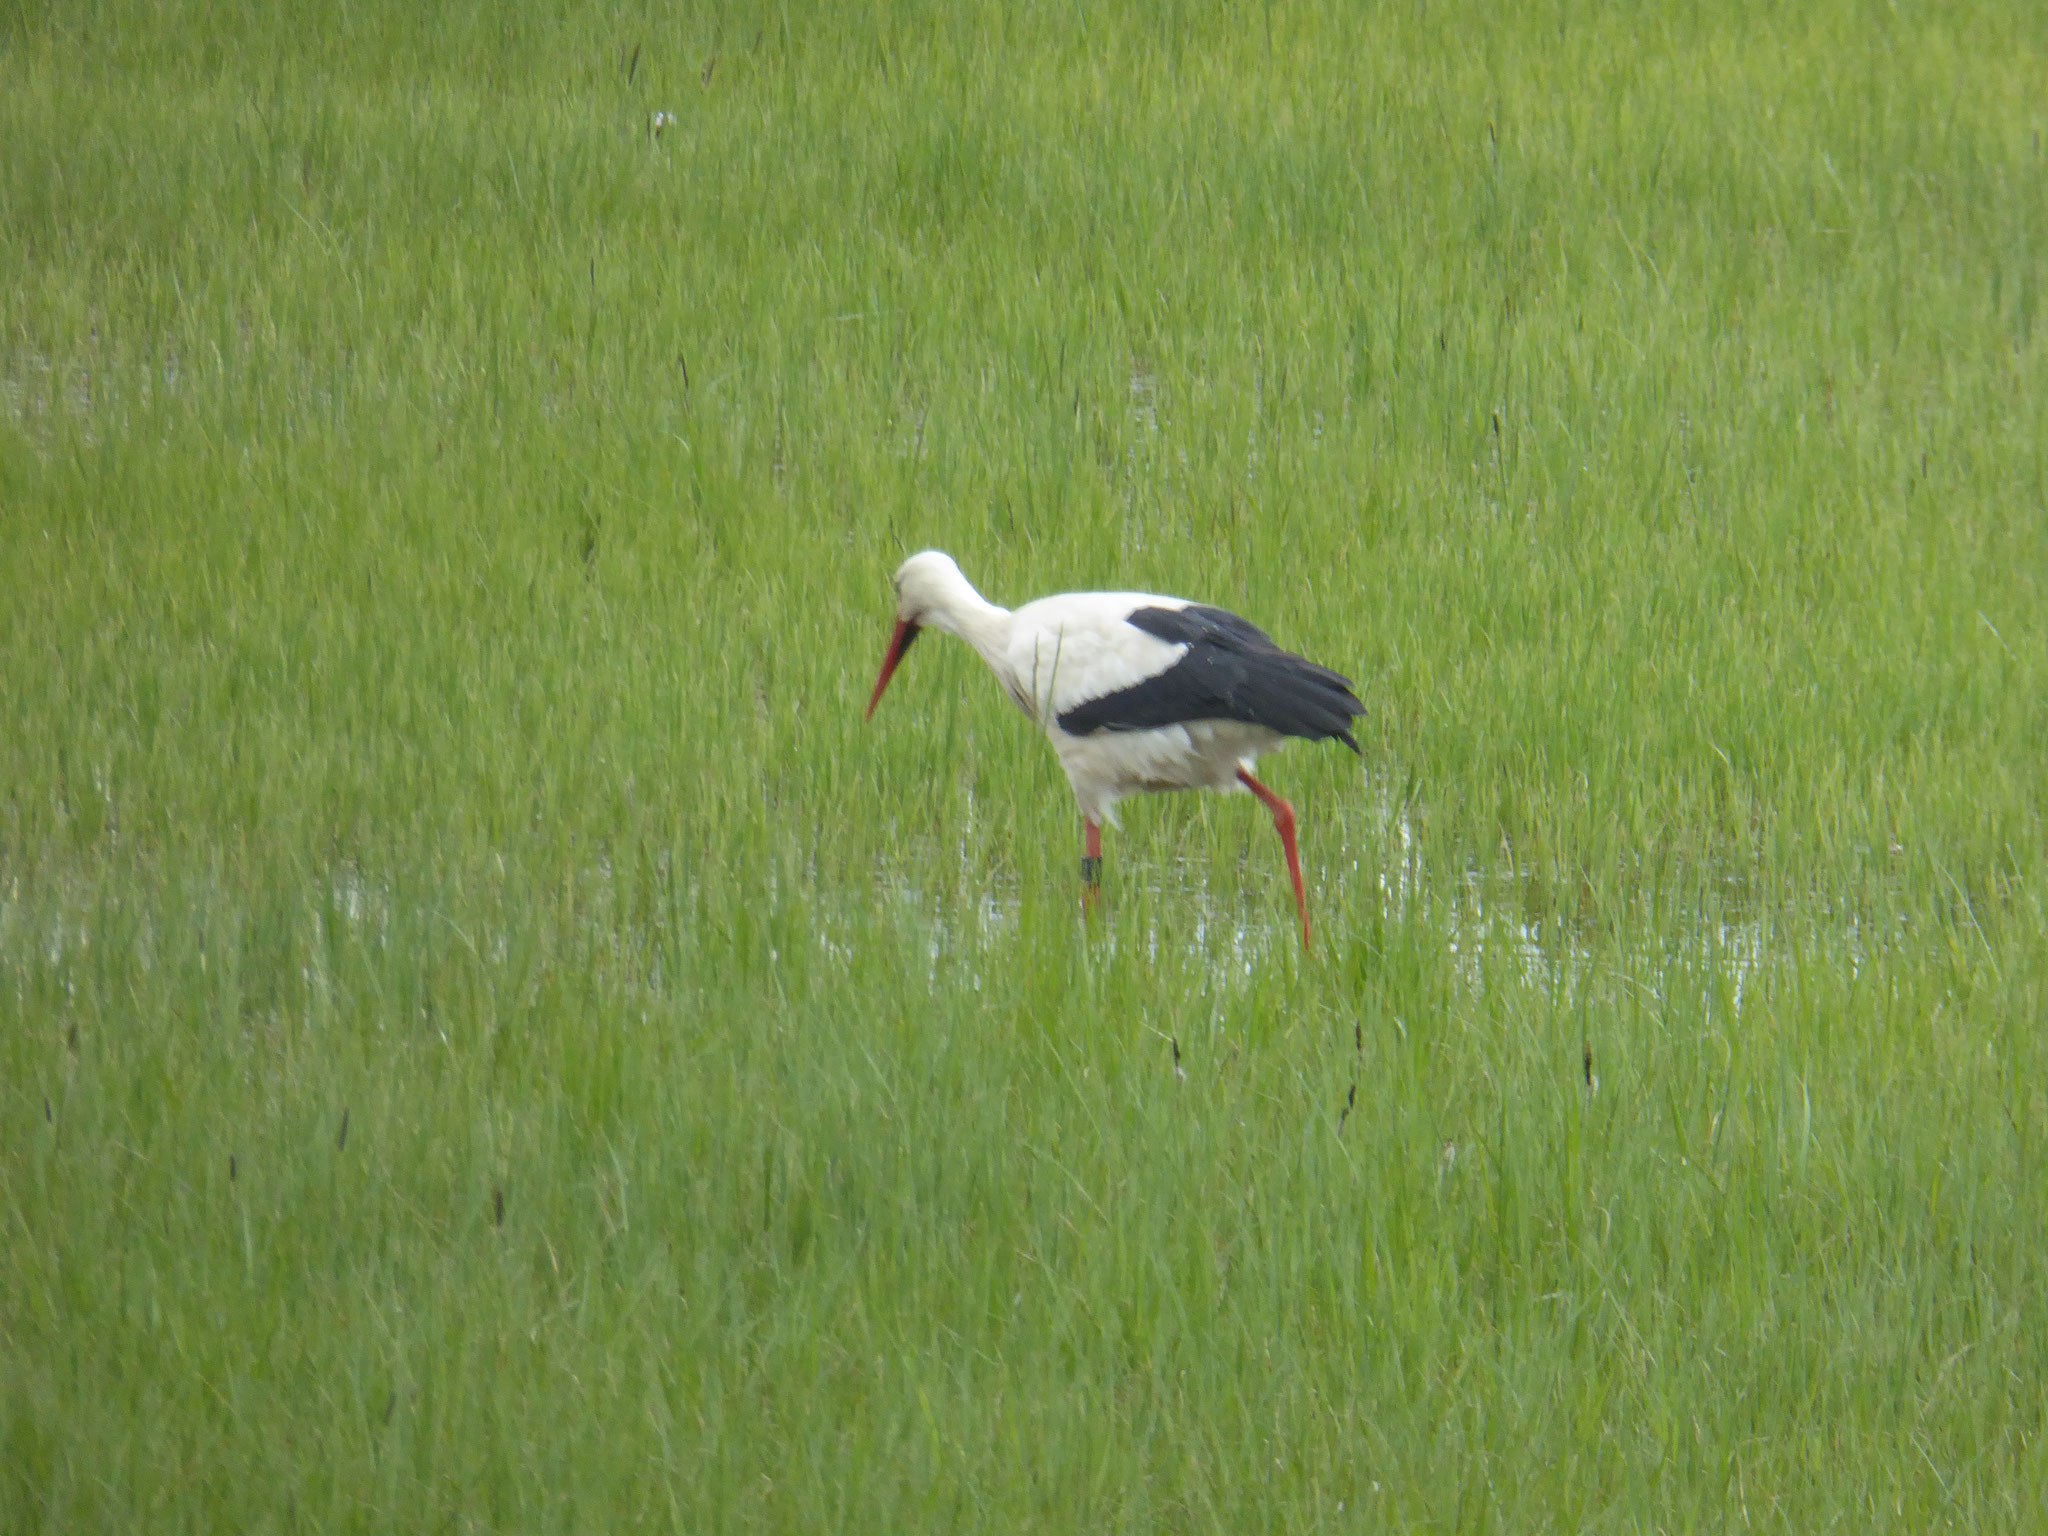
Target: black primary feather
x=1231 y=671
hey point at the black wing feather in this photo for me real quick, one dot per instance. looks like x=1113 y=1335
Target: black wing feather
x=1231 y=671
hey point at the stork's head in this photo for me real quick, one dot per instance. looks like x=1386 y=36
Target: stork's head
x=924 y=584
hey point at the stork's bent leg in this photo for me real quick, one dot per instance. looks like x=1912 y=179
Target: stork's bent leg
x=1091 y=862
x=1283 y=823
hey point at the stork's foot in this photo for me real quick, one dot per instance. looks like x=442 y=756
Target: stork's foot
x=1283 y=823
x=1091 y=868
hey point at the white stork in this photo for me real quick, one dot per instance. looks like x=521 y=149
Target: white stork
x=1135 y=692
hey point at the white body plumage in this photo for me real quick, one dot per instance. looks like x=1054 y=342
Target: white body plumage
x=1057 y=653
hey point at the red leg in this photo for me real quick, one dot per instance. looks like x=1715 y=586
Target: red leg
x=1283 y=823
x=1091 y=864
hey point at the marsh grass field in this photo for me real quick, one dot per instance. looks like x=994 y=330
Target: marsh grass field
x=489 y=1040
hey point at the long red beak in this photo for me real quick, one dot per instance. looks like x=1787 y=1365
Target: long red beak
x=898 y=644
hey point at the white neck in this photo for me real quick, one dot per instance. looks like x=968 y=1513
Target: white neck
x=957 y=609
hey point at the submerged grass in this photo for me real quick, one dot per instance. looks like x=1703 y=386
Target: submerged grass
x=488 y=1038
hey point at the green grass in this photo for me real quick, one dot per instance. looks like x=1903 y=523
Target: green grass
x=489 y=1039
